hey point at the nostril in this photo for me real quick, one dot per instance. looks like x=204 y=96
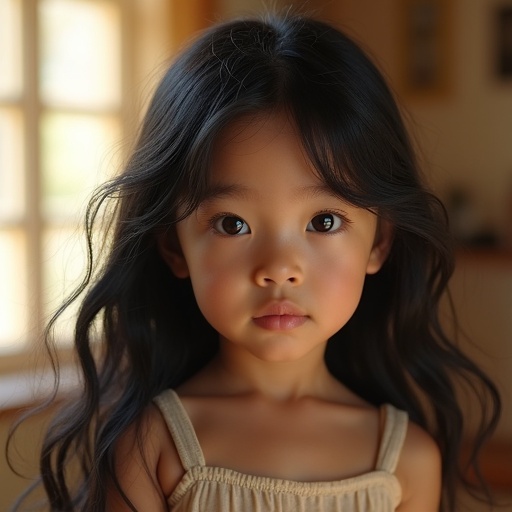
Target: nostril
x=277 y=276
x=270 y=280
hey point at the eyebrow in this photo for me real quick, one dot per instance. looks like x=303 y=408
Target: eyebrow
x=220 y=191
x=314 y=191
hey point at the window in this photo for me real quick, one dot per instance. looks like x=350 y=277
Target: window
x=61 y=112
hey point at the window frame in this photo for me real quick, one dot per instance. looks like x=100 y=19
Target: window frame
x=32 y=222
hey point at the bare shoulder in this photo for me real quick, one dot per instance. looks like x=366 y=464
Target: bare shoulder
x=419 y=471
x=147 y=465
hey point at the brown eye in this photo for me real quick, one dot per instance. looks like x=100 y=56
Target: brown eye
x=230 y=225
x=324 y=223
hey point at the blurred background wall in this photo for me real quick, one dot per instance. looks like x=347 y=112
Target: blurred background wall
x=447 y=62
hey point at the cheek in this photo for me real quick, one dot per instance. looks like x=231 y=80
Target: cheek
x=340 y=283
x=217 y=282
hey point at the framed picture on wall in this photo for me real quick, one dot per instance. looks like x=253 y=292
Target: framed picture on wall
x=425 y=47
x=504 y=42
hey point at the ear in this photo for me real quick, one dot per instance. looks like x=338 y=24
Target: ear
x=170 y=251
x=381 y=246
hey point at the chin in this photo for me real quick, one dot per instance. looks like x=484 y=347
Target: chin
x=280 y=352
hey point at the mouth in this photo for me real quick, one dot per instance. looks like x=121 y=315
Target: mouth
x=280 y=316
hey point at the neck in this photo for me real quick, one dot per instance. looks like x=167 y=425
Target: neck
x=237 y=372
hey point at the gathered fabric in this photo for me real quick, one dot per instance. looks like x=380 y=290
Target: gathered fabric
x=206 y=488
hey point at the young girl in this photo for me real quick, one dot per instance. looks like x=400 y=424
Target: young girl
x=270 y=337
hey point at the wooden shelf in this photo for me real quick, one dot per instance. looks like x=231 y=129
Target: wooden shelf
x=485 y=255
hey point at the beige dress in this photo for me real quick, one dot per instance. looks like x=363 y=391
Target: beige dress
x=205 y=489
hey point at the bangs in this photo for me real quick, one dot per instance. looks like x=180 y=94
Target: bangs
x=355 y=164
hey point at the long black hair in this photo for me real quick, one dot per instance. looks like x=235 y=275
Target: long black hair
x=152 y=336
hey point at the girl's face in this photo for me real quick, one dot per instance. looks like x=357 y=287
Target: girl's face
x=277 y=261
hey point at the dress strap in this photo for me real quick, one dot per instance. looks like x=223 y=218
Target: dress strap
x=181 y=429
x=393 y=436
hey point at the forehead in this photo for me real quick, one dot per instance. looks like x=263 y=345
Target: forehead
x=254 y=146
x=257 y=130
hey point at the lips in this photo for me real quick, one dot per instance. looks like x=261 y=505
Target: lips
x=280 y=316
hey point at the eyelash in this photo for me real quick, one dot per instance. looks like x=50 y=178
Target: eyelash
x=335 y=213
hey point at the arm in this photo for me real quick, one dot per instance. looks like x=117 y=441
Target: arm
x=419 y=472
x=147 y=472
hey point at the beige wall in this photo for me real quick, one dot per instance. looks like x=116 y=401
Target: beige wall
x=229 y=8
x=468 y=135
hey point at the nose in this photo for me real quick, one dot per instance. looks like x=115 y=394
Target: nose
x=279 y=265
